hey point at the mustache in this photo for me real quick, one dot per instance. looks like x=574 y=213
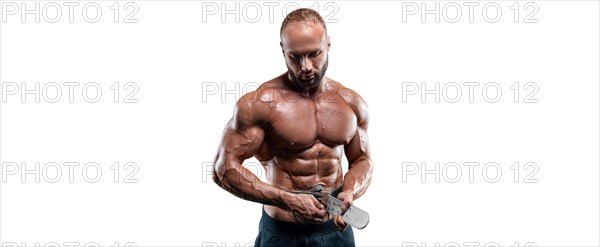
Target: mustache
x=315 y=75
x=308 y=75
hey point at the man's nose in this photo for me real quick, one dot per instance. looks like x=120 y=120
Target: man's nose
x=306 y=65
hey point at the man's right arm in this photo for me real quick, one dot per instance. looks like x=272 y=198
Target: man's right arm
x=241 y=139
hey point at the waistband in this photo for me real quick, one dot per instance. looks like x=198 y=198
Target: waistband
x=292 y=228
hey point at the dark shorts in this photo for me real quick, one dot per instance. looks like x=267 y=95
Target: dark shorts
x=272 y=232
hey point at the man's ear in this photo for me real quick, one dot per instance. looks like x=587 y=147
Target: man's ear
x=281 y=44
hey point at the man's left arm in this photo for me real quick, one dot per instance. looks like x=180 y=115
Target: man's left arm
x=360 y=166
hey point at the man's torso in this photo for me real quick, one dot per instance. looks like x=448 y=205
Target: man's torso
x=304 y=137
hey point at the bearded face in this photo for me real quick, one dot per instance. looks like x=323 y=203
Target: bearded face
x=305 y=47
x=309 y=79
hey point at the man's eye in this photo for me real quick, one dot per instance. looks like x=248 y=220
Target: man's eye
x=314 y=54
x=292 y=57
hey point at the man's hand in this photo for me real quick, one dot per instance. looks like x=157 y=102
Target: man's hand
x=305 y=208
x=338 y=221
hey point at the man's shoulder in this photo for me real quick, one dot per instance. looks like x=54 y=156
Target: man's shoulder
x=258 y=102
x=352 y=98
x=267 y=92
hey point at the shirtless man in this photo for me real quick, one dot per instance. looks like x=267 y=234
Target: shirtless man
x=298 y=125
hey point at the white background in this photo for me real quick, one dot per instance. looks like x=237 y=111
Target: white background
x=172 y=134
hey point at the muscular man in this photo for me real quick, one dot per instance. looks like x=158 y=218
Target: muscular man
x=298 y=125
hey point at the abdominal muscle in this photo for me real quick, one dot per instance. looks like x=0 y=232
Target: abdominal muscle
x=320 y=165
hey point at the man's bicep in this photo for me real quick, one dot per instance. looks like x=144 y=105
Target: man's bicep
x=358 y=147
x=242 y=142
x=243 y=135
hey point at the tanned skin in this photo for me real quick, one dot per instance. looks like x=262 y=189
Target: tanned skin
x=298 y=126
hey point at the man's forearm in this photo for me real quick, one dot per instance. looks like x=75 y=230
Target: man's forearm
x=358 y=177
x=242 y=183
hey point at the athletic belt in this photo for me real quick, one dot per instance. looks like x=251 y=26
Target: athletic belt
x=354 y=216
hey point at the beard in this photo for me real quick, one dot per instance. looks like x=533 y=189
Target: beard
x=312 y=82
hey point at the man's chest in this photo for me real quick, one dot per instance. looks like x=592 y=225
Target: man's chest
x=299 y=124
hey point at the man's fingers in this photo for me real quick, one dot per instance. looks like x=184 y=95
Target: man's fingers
x=336 y=223
x=344 y=207
x=319 y=213
x=319 y=209
x=317 y=203
x=346 y=200
x=309 y=209
x=339 y=220
x=339 y=223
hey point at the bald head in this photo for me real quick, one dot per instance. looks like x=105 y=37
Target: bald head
x=305 y=46
x=303 y=17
